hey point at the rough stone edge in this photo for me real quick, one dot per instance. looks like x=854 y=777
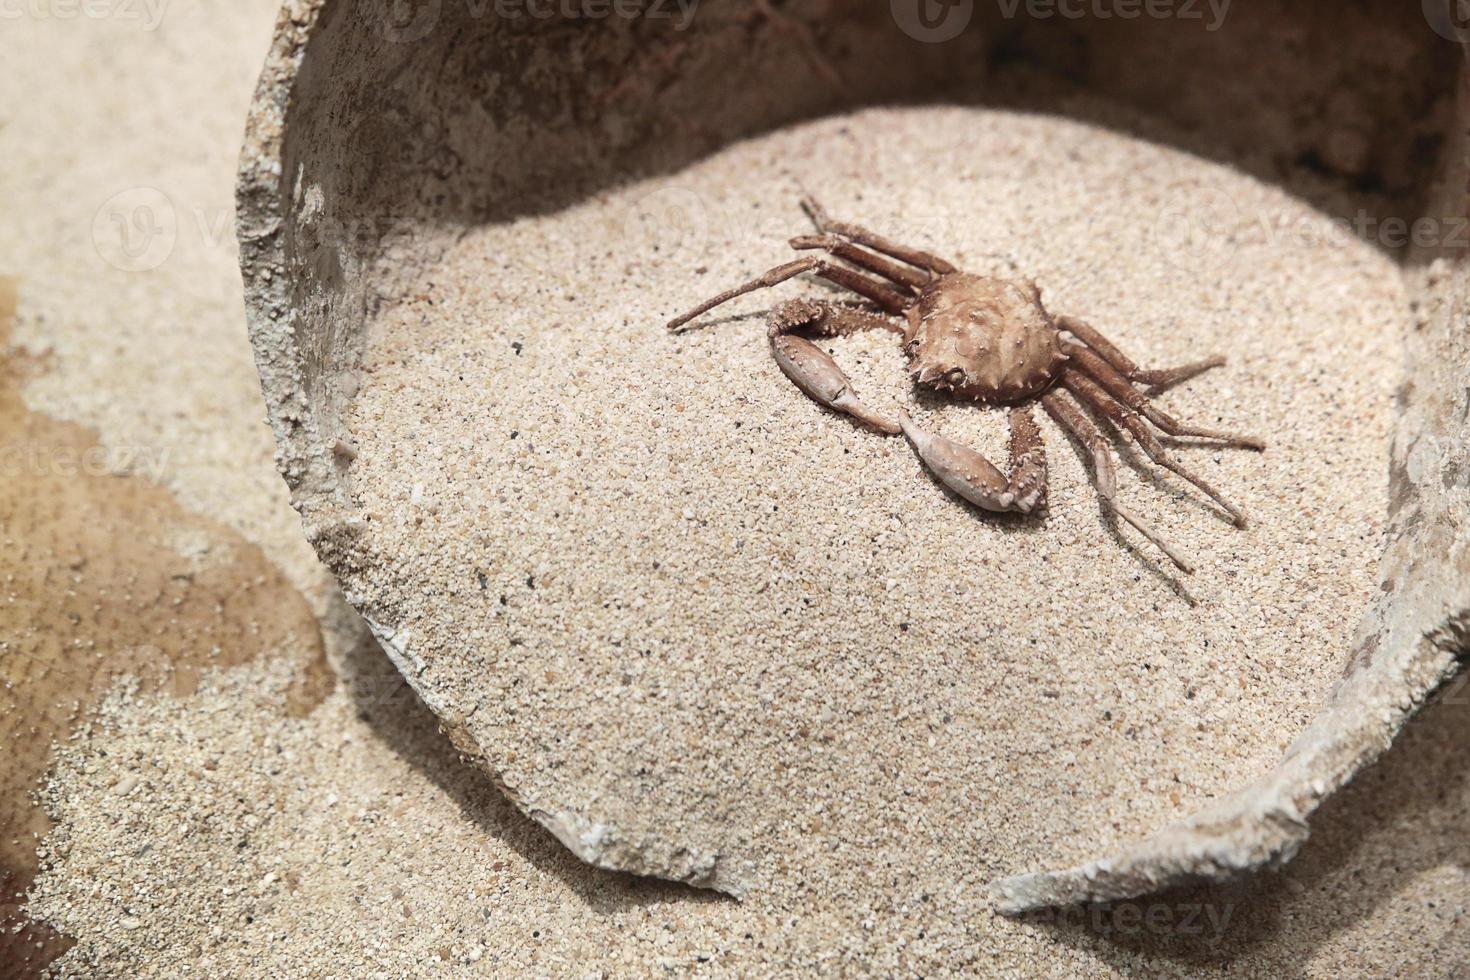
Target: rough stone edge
x=1264 y=824
x=305 y=444
x=1413 y=638
x=592 y=841
x=260 y=230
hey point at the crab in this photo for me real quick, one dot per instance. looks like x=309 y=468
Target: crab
x=983 y=339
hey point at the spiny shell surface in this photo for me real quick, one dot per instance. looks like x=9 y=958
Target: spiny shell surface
x=983 y=338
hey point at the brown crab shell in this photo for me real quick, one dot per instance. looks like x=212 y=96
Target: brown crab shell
x=982 y=338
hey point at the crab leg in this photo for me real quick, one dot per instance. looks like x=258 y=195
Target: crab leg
x=1155 y=377
x=810 y=367
x=1028 y=459
x=1091 y=394
x=843 y=249
x=1104 y=477
x=857 y=233
x=1117 y=385
x=972 y=476
x=817 y=319
x=884 y=295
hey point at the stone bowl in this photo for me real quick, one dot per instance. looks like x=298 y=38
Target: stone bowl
x=382 y=132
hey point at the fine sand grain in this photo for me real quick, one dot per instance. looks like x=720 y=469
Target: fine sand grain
x=691 y=617
x=214 y=835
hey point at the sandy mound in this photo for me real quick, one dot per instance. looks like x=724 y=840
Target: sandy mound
x=711 y=631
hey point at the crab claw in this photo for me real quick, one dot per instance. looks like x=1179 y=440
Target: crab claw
x=819 y=376
x=964 y=471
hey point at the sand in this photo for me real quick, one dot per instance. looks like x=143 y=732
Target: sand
x=354 y=842
x=107 y=579
x=753 y=645
x=366 y=845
